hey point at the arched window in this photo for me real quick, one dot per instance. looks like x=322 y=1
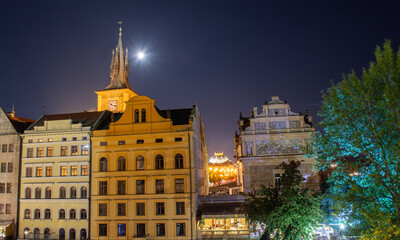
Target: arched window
x=121 y=164
x=143 y=115
x=83 y=234
x=61 y=214
x=26 y=233
x=72 y=234
x=83 y=192
x=28 y=193
x=38 y=193
x=36 y=233
x=37 y=214
x=103 y=164
x=178 y=161
x=83 y=214
x=136 y=116
x=27 y=214
x=72 y=192
x=46 y=233
x=140 y=162
x=47 y=214
x=72 y=214
x=159 y=162
x=61 y=234
x=63 y=192
x=48 y=193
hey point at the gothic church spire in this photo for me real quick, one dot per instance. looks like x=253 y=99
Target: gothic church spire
x=119 y=68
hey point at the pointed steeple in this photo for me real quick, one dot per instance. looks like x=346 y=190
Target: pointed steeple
x=119 y=68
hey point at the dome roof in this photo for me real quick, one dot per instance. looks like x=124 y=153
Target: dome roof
x=218 y=158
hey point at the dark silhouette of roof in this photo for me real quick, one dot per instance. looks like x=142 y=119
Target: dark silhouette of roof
x=20 y=124
x=86 y=118
x=178 y=116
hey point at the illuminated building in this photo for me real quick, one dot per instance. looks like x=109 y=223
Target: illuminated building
x=267 y=139
x=114 y=96
x=148 y=168
x=11 y=127
x=221 y=171
x=54 y=183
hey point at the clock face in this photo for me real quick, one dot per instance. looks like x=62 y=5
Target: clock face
x=112 y=105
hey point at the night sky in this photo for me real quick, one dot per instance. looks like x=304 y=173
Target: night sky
x=226 y=56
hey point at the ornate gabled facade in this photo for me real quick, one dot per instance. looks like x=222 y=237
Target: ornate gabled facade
x=11 y=127
x=114 y=96
x=268 y=138
x=148 y=168
x=54 y=183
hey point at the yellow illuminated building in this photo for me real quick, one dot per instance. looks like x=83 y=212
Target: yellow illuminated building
x=54 y=183
x=148 y=168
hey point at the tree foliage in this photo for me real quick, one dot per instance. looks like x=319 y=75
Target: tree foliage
x=360 y=145
x=287 y=210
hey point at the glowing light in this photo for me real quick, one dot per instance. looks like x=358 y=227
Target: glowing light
x=140 y=55
x=342 y=226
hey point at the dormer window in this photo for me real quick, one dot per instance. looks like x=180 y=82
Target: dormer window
x=136 y=116
x=143 y=115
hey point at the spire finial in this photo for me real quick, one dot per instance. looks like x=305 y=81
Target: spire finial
x=120 y=28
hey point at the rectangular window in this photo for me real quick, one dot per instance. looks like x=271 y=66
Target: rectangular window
x=39 y=172
x=9 y=187
x=121 y=187
x=103 y=143
x=11 y=147
x=103 y=188
x=8 y=208
x=160 y=229
x=159 y=140
x=180 y=229
x=141 y=230
x=160 y=208
x=140 y=210
x=49 y=139
x=159 y=186
x=30 y=140
x=85 y=150
x=140 y=189
x=40 y=140
x=84 y=170
x=64 y=150
x=2 y=187
x=74 y=170
x=139 y=141
x=84 y=138
x=121 y=209
x=103 y=209
x=10 y=167
x=74 y=150
x=4 y=148
x=50 y=152
x=180 y=208
x=3 y=168
x=63 y=171
x=74 y=138
x=178 y=139
x=277 y=180
x=49 y=171
x=179 y=185
x=39 y=152
x=121 y=142
x=121 y=229
x=28 y=172
x=64 y=139
x=103 y=230
x=1 y=208
x=29 y=152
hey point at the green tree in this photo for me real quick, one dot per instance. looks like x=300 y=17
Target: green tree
x=288 y=210
x=360 y=146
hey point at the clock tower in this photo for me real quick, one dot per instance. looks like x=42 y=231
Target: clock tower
x=114 y=96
